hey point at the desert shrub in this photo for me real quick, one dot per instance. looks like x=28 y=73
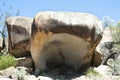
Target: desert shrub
x=7 y=61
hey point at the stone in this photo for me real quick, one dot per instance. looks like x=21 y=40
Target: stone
x=97 y=59
x=106 y=46
x=30 y=77
x=81 y=78
x=5 y=79
x=64 y=37
x=25 y=61
x=104 y=70
x=107 y=37
x=19 y=33
x=14 y=73
x=43 y=78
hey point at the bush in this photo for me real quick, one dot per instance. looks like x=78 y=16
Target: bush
x=7 y=61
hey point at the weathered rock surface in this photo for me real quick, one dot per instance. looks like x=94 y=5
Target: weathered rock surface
x=97 y=59
x=107 y=37
x=104 y=70
x=26 y=62
x=13 y=73
x=19 y=33
x=106 y=46
x=21 y=73
x=64 y=37
x=101 y=72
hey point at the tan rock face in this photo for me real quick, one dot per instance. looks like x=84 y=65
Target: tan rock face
x=19 y=33
x=64 y=37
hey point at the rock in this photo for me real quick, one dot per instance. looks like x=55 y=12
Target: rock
x=97 y=59
x=64 y=37
x=19 y=33
x=104 y=70
x=5 y=79
x=25 y=61
x=105 y=45
x=81 y=78
x=44 y=78
x=30 y=77
x=14 y=73
x=107 y=37
x=7 y=72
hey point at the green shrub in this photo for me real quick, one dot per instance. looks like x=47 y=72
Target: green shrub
x=7 y=61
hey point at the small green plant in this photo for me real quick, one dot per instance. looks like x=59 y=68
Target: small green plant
x=7 y=61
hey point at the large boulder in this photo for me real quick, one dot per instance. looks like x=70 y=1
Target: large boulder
x=64 y=38
x=19 y=33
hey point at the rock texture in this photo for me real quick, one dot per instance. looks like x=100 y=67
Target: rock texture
x=96 y=59
x=105 y=45
x=25 y=61
x=107 y=37
x=64 y=37
x=13 y=73
x=21 y=73
x=19 y=33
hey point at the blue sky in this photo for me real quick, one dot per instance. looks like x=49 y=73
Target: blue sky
x=99 y=8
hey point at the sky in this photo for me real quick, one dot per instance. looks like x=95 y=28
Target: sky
x=100 y=8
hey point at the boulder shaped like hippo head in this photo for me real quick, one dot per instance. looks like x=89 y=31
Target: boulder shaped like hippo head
x=19 y=33
x=64 y=37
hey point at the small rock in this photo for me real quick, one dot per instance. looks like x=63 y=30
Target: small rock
x=5 y=79
x=7 y=72
x=31 y=77
x=104 y=70
x=44 y=78
x=81 y=78
x=14 y=73
x=25 y=61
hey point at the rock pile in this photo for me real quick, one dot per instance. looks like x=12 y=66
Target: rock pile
x=55 y=39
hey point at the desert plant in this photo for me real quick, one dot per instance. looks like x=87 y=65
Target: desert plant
x=7 y=61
